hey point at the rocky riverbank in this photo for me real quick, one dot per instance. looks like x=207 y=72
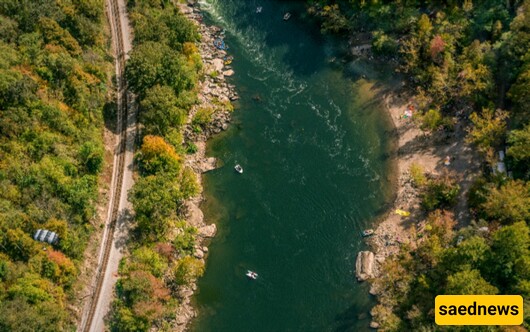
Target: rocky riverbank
x=215 y=95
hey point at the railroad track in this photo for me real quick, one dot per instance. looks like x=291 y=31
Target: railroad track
x=117 y=178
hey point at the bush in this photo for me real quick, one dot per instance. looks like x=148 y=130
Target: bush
x=431 y=120
x=223 y=106
x=509 y=203
x=91 y=157
x=417 y=175
x=440 y=193
x=186 y=270
x=383 y=44
x=191 y=148
x=203 y=117
x=185 y=240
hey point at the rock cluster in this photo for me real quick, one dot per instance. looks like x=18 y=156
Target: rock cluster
x=215 y=92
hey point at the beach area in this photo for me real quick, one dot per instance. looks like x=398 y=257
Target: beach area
x=435 y=153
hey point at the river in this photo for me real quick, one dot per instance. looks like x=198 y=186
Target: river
x=314 y=143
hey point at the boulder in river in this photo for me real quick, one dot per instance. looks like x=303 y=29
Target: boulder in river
x=208 y=231
x=207 y=164
x=364 y=265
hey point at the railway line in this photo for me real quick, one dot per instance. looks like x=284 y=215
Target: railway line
x=98 y=304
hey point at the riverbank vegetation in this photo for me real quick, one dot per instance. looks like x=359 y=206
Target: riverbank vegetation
x=54 y=85
x=466 y=62
x=162 y=71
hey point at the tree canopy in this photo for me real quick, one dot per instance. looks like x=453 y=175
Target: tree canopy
x=54 y=81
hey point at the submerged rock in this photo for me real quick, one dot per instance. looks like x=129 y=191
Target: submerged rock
x=364 y=265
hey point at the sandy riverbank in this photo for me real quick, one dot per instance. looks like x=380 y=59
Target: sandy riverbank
x=429 y=152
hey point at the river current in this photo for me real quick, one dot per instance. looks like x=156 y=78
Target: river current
x=313 y=140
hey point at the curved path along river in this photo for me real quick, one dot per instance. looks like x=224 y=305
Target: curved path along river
x=313 y=140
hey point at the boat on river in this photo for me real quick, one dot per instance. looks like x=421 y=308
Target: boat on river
x=220 y=44
x=259 y=9
x=238 y=169
x=252 y=275
x=228 y=60
x=367 y=232
x=286 y=16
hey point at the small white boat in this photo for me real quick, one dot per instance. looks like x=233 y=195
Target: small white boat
x=286 y=16
x=239 y=169
x=259 y=9
x=252 y=275
x=367 y=232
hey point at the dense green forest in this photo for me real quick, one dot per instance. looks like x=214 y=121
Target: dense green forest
x=54 y=80
x=468 y=62
x=162 y=71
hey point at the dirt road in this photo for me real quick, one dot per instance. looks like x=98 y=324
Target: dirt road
x=119 y=213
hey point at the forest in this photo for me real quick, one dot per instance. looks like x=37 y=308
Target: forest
x=468 y=62
x=162 y=71
x=54 y=87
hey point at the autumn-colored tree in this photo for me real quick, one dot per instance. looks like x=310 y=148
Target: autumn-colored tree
x=146 y=259
x=508 y=203
x=157 y=156
x=437 y=47
x=441 y=224
x=59 y=268
x=187 y=269
x=518 y=150
x=488 y=128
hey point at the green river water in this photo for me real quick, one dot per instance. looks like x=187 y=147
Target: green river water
x=315 y=153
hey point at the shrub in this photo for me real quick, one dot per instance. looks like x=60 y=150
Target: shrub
x=384 y=44
x=440 y=193
x=91 y=157
x=185 y=240
x=417 y=175
x=431 y=120
x=187 y=269
x=202 y=117
x=191 y=148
